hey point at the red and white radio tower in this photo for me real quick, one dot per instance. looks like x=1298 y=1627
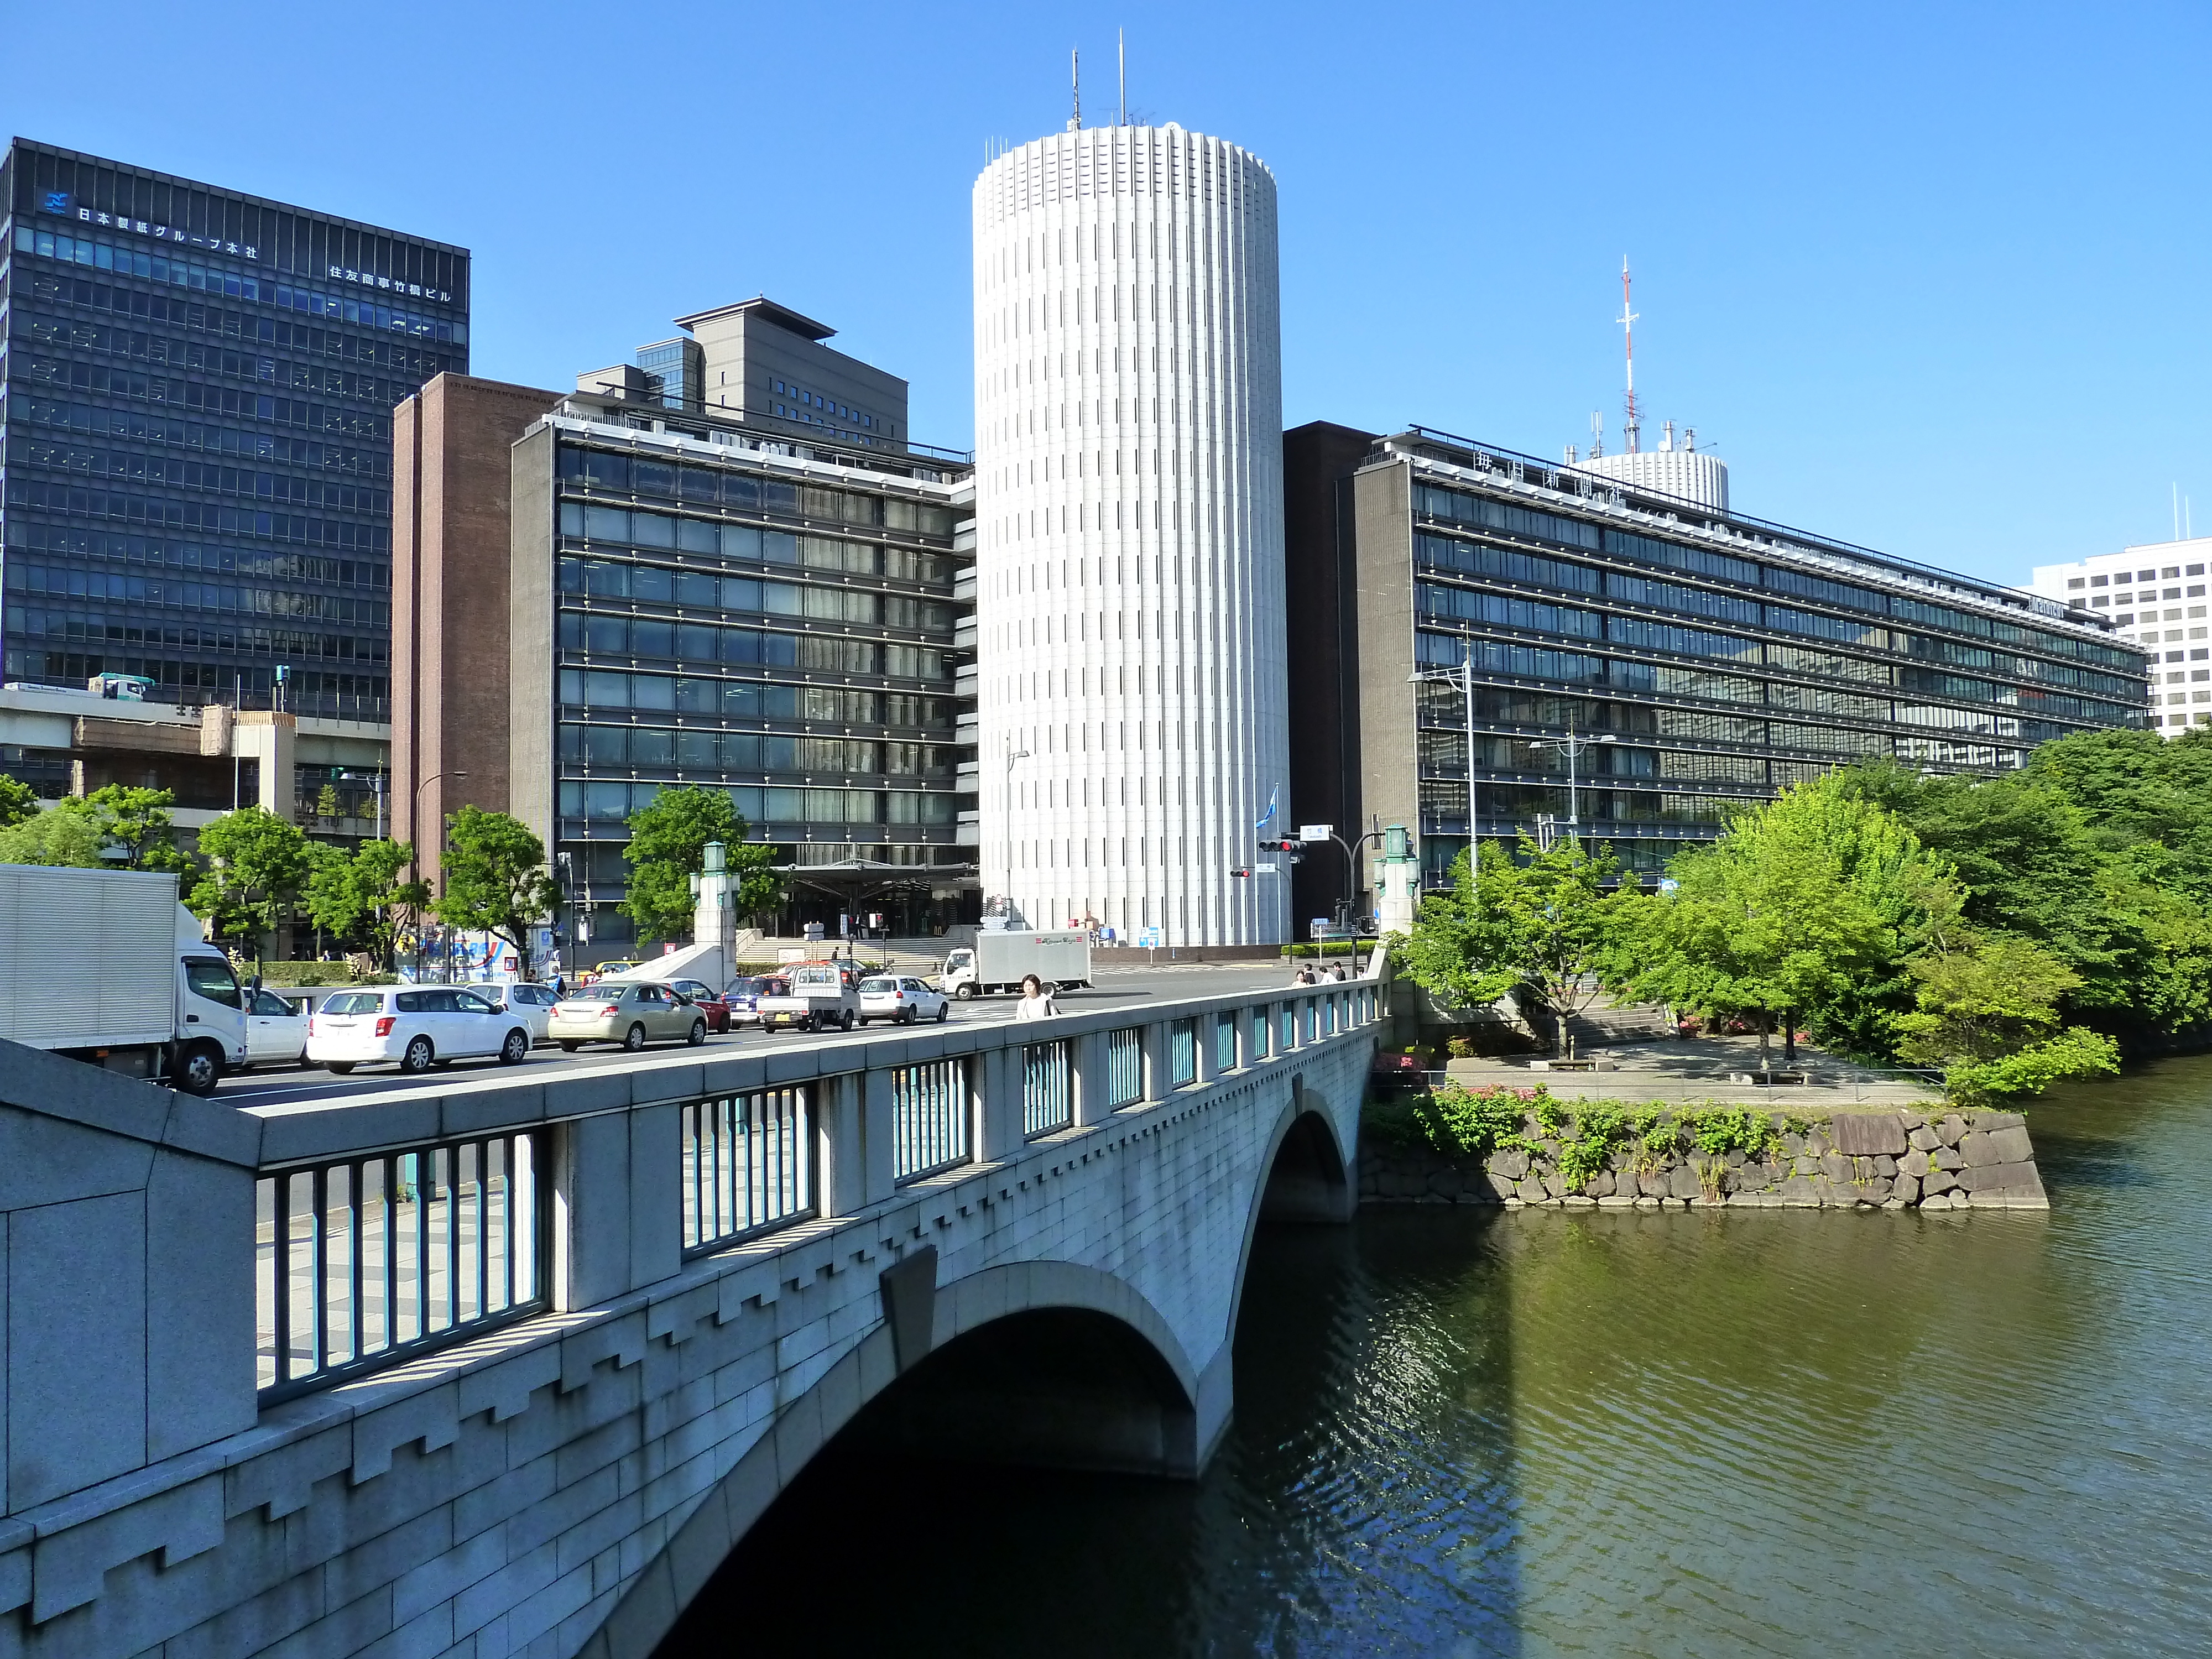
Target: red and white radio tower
x=1634 y=426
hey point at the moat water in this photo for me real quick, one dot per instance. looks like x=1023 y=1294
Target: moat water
x=1463 y=1432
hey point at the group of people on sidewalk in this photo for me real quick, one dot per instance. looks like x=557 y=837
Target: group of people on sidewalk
x=1309 y=974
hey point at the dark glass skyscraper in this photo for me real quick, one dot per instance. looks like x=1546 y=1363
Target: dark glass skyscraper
x=196 y=396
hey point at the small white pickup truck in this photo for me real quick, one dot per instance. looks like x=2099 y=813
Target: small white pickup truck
x=821 y=995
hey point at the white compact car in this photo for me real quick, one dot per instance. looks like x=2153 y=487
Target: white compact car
x=417 y=1026
x=531 y=1004
x=903 y=1000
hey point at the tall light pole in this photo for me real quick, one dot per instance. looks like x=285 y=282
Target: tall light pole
x=1013 y=755
x=414 y=830
x=1463 y=678
x=1572 y=746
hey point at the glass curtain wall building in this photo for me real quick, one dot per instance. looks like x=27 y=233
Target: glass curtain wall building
x=197 y=407
x=696 y=603
x=1708 y=659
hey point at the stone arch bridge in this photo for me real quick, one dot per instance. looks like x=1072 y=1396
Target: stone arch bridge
x=506 y=1366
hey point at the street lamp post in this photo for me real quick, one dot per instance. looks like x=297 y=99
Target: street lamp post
x=1572 y=746
x=376 y=779
x=415 y=834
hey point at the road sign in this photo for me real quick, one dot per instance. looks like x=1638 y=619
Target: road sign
x=1263 y=869
x=1315 y=831
x=1149 y=939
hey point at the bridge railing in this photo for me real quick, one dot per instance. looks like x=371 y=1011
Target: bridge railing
x=748 y=1165
x=363 y=1262
x=395 y=1225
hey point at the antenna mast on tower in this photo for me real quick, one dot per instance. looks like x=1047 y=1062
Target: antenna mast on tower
x=1121 y=59
x=1633 y=427
x=1075 y=86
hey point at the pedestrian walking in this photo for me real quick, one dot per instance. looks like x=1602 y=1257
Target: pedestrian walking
x=1035 y=1003
x=1339 y=973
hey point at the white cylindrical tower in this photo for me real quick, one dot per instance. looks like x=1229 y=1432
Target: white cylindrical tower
x=1131 y=692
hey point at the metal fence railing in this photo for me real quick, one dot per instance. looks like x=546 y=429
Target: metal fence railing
x=1048 y=1094
x=1263 y=1032
x=748 y=1165
x=930 y=1128
x=1286 y=1027
x=1125 y=1067
x=1224 y=1042
x=363 y=1261
x=1183 y=1051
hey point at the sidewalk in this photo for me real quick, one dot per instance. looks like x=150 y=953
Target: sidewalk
x=1699 y=1068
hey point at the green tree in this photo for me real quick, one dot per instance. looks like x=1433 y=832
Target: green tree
x=2070 y=852
x=668 y=839
x=1987 y=1012
x=495 y=878
x=55 y=837
x=258 y=863
x=360 y=895
x=137 y=820
x=18 y=801
x=327 y=802
x=1537 y=925
x=1807 y=905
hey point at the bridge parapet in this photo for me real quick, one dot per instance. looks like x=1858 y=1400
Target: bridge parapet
x=544 y=1348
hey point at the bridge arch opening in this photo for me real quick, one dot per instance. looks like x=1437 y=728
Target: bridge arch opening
x=1057 y=1389
x=1050 y=1387
x=1307 y=1181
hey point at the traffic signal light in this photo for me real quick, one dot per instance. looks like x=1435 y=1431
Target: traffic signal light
x=1240 y=873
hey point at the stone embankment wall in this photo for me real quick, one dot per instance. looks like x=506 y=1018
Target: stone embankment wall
x=1891 y=1160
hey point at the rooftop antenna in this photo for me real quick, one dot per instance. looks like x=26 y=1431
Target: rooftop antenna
x=1597 y=434
x=1075 y=85
x=2177 y=511
x=1633 y=427
x=1122 y=61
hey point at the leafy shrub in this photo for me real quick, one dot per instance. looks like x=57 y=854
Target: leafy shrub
x=1473 y=1122
x=307 y=973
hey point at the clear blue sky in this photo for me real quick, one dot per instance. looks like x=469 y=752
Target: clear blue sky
x=1932 y=277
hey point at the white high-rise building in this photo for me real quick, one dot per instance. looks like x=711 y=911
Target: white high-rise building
x=2154 y=596
x=1129 y=535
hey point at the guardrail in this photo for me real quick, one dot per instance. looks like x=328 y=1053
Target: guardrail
x=385 y=1234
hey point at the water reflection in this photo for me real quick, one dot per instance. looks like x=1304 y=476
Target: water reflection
x=1616 y=1433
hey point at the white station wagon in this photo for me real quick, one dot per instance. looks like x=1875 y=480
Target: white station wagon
x=418 y=1026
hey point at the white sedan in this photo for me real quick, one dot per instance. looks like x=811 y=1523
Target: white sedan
x=901 y=999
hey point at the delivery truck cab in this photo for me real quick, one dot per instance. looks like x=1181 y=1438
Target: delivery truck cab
x=160 y=1002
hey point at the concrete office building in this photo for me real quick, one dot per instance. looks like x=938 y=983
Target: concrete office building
x=1132 y=699
x=765 y=364
x=198 y=422
x=1704 y=659
x=2154 y=596
x=697 y=599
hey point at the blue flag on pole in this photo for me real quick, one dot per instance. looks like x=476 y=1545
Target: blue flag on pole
x=1268 y=818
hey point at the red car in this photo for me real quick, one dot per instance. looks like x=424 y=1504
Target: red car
x=708 y=1002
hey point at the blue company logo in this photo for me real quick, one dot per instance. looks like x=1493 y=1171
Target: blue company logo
x=57 y=201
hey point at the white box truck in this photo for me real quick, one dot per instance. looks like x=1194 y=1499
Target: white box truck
x=995 y=963
x=105 y=966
